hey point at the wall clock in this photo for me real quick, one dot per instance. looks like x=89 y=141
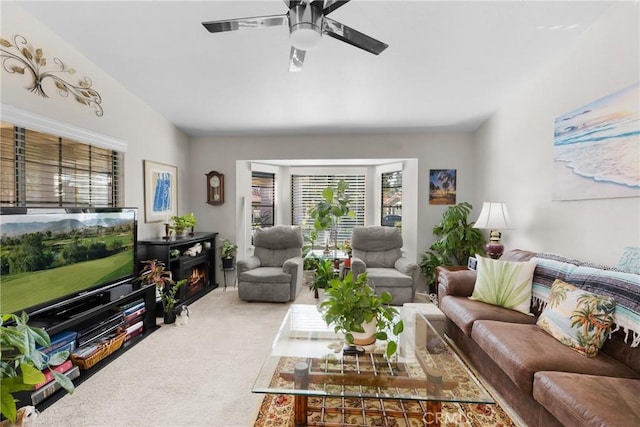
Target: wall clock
x=215 y=188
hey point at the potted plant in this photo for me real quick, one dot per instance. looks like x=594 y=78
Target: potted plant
x=21 y=363
x=352 y=305
x=327 y=213
x=155 y=273
x=227 y=254
x=457 y=241
x=182 y=223
x=169 y=300
x=323 y=275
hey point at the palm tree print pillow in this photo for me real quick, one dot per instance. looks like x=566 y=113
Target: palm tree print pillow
x=578 y=319
x=504 y=283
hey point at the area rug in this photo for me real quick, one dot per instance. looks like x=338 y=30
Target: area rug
x=276 y=410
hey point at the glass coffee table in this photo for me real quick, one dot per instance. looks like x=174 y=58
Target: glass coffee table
x=307 y=361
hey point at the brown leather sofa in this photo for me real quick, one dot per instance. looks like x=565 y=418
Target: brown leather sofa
x=542 y=380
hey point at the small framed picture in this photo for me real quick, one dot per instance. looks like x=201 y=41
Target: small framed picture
x=160 y=191
x=442 y=187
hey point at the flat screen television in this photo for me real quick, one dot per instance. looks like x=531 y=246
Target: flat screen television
x=51 y=257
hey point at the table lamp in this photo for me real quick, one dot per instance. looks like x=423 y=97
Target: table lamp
x=494 y=216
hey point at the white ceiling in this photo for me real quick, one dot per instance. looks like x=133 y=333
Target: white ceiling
x=449 y=65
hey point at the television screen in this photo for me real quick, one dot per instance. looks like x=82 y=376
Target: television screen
x=49 y=256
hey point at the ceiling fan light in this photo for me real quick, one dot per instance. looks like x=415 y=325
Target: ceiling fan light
x=305 y=38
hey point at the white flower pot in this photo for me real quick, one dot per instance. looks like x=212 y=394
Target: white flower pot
x=368 y=336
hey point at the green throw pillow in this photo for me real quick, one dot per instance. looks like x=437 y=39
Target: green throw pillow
x=504 y=283
x=578 y=319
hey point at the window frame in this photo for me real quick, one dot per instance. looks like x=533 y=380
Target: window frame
x=261 y=206
x=386 y=209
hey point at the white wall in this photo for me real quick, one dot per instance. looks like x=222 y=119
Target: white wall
x=515 y=154
x=149 y=135
x=432 y=151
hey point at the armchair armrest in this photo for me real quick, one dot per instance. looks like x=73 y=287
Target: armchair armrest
x=291 y=265
x=294 y=267
x=404 y=266
x=248 y=264
x=358 y=267
x=453 y=281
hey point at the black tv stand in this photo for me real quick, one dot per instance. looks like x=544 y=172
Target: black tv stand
x=89 y=313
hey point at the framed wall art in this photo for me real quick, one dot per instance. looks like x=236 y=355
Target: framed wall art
x=596 y=149
x=160 y=191
x=442 y=187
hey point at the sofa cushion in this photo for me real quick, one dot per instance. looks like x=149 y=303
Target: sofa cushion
x=388 y=278
x=622 y=286
x=578 y=319
x=522 y=350
x=588 y=400
x=265 y=275
x=630 y=260
x=504 y=283
x=464 y=311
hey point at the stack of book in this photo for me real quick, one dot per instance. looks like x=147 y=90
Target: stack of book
x=133 y=318
x=62 y=341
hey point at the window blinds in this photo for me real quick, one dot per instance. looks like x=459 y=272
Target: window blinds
x=40 y=169
x=307 y=192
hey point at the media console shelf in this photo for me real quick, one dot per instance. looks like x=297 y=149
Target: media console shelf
x=199 y=269
x=89 y=313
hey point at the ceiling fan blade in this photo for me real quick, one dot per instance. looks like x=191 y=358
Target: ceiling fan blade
x=296 y=59
x=332 y=5
x=242 y=23
x=292 y=3
x=355 y=38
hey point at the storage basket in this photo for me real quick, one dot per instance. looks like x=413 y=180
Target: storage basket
x=104 y=350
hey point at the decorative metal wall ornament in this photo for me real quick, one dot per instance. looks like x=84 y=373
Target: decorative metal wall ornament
x=25 y=58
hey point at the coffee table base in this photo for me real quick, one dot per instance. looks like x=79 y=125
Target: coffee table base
x=431 y=417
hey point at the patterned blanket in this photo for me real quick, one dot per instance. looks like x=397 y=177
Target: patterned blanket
x=621 y=285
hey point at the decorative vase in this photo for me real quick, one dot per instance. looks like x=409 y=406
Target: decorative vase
x=368 y=336
x=169 y=317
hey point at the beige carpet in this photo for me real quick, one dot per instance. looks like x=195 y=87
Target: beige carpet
x=197 y=375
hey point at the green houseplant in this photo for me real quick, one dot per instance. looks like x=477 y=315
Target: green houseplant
x=323 y=274
x=227 y=254
x=457 y=240
x=169 y=299
x=182 y=223
x=351 y=303
x=327 y=213
x=155 y=273
x=21 y=363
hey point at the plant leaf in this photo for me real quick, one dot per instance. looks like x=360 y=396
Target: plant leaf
x=31 y=375
x=5 y=43
x=64 y=381
x=391 y=348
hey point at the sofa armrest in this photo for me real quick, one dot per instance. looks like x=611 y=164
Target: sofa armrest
x=248 y=264
x=358 y=267
x=457 y=281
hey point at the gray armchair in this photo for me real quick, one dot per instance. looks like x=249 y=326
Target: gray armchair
x=377 y=251
x=274 y=272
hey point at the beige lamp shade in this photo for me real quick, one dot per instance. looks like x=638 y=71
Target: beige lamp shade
x=494 y=216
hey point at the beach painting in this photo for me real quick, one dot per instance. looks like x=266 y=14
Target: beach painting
x=596 y=149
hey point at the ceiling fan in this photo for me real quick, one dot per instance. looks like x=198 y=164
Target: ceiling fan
x=307 y=22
